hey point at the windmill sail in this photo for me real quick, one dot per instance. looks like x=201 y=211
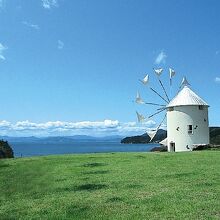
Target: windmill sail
x=145 y=80
x=152 y=134
x=164 y=142
x=139 y=100
x=172 y=74
x=140 y=117
x=184 y=82
x=158 y=71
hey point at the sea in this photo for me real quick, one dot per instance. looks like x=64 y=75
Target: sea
x=28 y=149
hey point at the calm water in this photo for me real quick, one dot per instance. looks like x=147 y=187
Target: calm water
x=37 y=149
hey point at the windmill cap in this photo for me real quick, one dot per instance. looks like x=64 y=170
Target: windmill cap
x=186 y=97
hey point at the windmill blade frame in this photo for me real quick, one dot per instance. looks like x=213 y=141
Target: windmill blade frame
x=156 y=113
x=158 y=127
x=155 y=104
x=164 y=90
x=159 y=95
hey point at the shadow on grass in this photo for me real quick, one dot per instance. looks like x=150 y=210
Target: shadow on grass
x=90 y=187
x=84 y=187
x=206 y=184
x=95 y=164
x=125 y=161
x=96 y=172
x=76 y=209
x=114 y=199
x=60 y=180
x=140 y=157
x=4 y=165
x=180 y=175
x=134 y=186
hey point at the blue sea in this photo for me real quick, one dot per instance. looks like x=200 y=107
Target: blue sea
x=40 y=149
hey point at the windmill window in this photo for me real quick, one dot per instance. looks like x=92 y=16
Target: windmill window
x=170 y=109
x=190 y=129
x=201 y=107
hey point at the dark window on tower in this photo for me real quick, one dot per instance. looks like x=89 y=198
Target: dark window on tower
x=190 y=129
x=170 y=109
x=201 y=107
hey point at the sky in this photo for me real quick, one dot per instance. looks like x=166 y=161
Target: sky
x=73 y=67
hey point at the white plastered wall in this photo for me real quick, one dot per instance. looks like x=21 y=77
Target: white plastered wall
x=177 y=127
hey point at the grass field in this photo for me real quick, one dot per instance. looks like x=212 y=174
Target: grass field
x=112 y=186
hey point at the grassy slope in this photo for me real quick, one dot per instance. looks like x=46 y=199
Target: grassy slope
x=112 y=186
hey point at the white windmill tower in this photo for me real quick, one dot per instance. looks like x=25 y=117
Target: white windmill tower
x=187 y=116
x=187 y=121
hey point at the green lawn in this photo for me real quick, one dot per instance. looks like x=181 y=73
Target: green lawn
x=112 y=186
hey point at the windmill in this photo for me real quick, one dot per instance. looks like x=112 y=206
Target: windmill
x=186 y=113
x=164 y=99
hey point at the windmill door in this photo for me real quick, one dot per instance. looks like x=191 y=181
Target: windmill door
x=172 y=146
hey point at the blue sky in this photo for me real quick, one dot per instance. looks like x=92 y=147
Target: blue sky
x=72 y=67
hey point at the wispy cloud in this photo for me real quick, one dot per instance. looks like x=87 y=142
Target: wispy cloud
x=48 y=4
x=2 y=2
x=2 y=49
x=34 y=26
x=60 y=128
x=161 y=58
x=60 y=44
x=217 y=79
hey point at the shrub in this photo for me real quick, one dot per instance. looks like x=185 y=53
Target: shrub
x=5 y=150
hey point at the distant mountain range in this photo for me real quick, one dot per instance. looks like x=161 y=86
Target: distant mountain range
x=140 y=139
x=59 y=139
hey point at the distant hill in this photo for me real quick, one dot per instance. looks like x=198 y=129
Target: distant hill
x=214 y=135
x=145 y=138
x=162 y=134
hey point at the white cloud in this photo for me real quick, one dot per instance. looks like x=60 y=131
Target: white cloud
x=217 y=79
x=161 y=58
x=60 y=44
x=34 y=26
x=2 y=49
x=60 y=128
x=5 y=124
x=48 y=4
